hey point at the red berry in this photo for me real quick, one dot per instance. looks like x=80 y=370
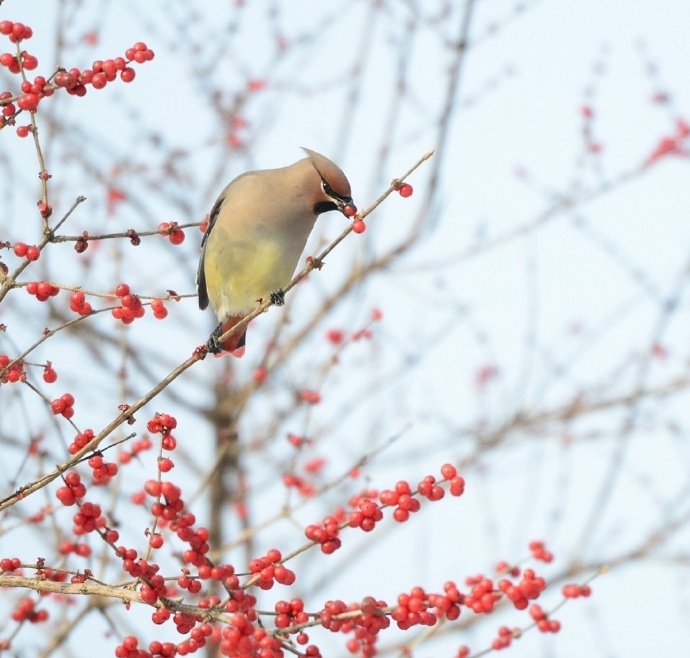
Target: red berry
x=99 y=80
x=33 y=253
x=405 y=190
x=358 y=226
x=29 y=62
x=20 y=249
x=176 y=236
x=28 y=102
x=155 y=541
x=49 y=375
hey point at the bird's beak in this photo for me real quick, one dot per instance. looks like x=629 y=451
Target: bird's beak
x=348 y=208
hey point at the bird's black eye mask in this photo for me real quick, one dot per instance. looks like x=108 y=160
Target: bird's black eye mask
x=328 y=190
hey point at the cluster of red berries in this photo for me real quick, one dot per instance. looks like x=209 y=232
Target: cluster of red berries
x=367 y=627
x=358 y=226
x=14 y=374
x=73 y=81
x=185 y=581
x=298 y=441
x=175 y=235
x=78 y=303
x=15 y=63
x=102 y=72
x=163 y=649
x=64 y=405
x=10 y=564
x=447 y=604
x=529 y=588
x=573 y=591
x=66 y=547
x=139 y=53
x=78 y=578
x=505 y=636
x=131 y=307
x=26 y=611
x=32 y=92
x=672 y=145
x=224 y=573
x=330 y=616
x=482 y=597
x=42 y=290
x=15 y=32
x=305 y=488
x=155 y=588
x=197 y=540
x=366 y=513
x=539 y=552
x=290 y=613
x=314 y=465
x=269 y=570
x=164 y=424
x=103 y=471
x=169 y=509
x=73 y=489
x=88 y=519
x=161 y=423
x=198 y=635
x=401 y=498
x=154 y=585
x=28 y=251
x=135 y=448
x=325 y=534
x=80 y=440
x=310 y=397
x=243 y=638
x=544 y=624
x=130 y=648
x=413 y=610
x=336 y=336
x=430 y=489
x=159 y=310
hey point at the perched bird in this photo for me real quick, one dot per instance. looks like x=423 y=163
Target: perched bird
x=257 y=230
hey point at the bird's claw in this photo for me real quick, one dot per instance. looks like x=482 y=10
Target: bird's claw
x=212 y=344
x=278 y=297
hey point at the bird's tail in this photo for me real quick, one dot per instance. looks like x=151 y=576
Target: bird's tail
x=235 y=344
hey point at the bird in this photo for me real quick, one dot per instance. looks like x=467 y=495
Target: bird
x=258 y=228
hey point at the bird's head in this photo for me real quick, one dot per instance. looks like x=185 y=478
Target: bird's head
x=334 y=192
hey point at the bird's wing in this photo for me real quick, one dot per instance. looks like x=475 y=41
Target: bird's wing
x=200 y=275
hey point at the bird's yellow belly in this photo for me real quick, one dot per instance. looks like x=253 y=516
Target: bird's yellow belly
x=245 y=273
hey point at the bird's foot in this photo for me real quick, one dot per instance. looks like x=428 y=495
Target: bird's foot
x=213 y=345
x=278 y=297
